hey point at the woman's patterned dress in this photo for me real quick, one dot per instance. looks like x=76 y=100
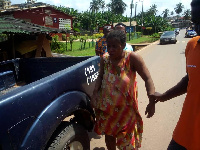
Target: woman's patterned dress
x=117 y=107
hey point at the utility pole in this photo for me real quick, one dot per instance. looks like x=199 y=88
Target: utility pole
x=135 y=9
x=142 y=12
x=131 y=6
x=142 y=17
x=135 y=18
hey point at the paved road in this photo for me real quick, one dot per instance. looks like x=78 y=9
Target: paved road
x=166 y=64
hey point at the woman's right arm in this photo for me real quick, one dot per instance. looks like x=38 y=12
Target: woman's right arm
x=100 y=76
x=98 y=83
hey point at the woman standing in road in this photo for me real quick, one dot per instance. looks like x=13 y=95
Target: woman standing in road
x=115 y=95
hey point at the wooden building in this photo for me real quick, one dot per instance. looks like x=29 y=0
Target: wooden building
x=45 y=16
x=25 y=39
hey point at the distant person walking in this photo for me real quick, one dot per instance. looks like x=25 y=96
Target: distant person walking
x=122 y=27
x=101 y=44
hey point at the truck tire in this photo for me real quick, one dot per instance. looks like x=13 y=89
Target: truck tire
x=71 y=136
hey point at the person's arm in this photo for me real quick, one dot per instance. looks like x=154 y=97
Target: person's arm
x=97 y=49
x=98 y=83
x=179 y=89
x=138 y=65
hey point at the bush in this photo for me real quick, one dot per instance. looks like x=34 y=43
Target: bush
x=62 y=48
x=83 y=42
x=169 y=29
x=64 y=37
x=71 y=40
x=57 y=46
x=98 y=35
x=54 y=43
x=93 y=43
x=156 y=35
x=3 y=37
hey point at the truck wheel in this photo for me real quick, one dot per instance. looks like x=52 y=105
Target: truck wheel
x=70 y=136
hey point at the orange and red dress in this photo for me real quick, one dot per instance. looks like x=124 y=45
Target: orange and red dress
x=117 y=107
x=101 y=46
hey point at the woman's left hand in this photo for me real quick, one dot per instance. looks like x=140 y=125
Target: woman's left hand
x=150 y=109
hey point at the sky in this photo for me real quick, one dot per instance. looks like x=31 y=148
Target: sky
x=83 y=5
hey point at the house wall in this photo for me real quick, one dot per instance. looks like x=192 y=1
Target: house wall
x=45 y=16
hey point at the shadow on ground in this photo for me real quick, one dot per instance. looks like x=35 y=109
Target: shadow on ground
x=93 y=135
x=97 y=142
x=101 y=148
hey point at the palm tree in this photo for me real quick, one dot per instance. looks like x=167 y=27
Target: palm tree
x=165 y=13
x=117 y=6
x=153 y=10
x=94 y=6
x=179 y=8
x=101 y=4
x=187 y=14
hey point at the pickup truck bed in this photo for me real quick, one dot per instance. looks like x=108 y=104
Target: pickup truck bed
x=53 y=89
x=5 y=91
x=20 y=72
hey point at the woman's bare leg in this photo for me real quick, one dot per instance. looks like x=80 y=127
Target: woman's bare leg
x=110 y=142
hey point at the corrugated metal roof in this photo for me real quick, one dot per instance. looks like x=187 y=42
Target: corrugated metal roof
x=17 y=26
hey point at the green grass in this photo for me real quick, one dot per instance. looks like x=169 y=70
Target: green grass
x=86 y=52
x=90 y=48
x=77 y=49
x=77 y=45
x=143 y=39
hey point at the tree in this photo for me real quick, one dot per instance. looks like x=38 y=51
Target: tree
x=179 y=8
x=187 y=14
x=67 y=10
x=95 y=5
x=165 y=13
x=172 y=13
x=117 y=6
x=153 y=10
x=158 y=23
x=101 y=4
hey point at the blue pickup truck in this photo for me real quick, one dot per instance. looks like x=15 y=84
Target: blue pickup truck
x=45 y=102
